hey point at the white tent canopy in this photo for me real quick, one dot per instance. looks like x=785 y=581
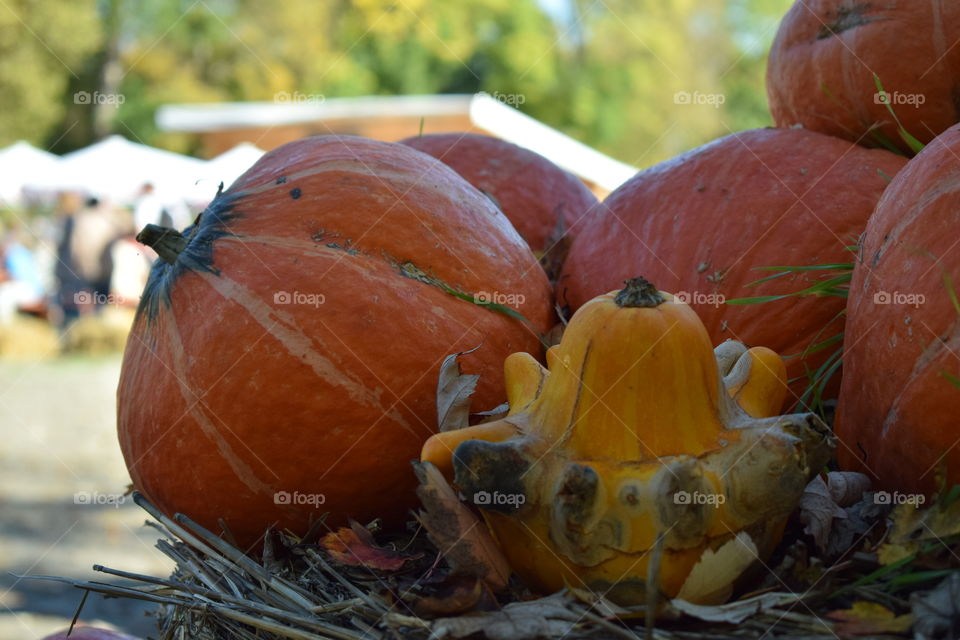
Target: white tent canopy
x=21 y=163
x=116 y=169
x=230 y=165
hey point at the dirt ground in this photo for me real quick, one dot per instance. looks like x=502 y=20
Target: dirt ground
x=61 y=473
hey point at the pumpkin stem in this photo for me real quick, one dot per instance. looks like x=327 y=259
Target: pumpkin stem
x=639 y=293
x=167 y=242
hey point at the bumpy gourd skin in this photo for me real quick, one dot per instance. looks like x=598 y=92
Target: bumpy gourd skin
x=636 y=428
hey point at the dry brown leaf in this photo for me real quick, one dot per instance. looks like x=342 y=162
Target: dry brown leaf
x=460 y=536
x=867 y=619
x=711 y=580
x=455 y=596
x=937 y=613
x=552 y=617
x=354 y=547
x=734 y=612
x=847 y=487
x=817 y=511
x=453 y=393
x=863 y=519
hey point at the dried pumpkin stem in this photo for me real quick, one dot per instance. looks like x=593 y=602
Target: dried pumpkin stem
x=167 y=242
x=639 y=293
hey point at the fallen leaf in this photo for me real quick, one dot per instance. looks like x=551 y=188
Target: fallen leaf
x=453 y=393
x=847 y=487
x=711 y=580
x=600 y=604
x=455 y=596
x=498 y=412
x=555 y=616
x=862 y=519
x=460 y=536
x=734 y=612
x=817 y=511
x=913 y=526
x=355 y=547
x=937 y=613
x=869 y=618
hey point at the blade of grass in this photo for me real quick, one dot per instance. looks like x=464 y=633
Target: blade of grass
x=915 y=145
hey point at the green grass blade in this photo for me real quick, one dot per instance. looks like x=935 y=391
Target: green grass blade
x=915 y=145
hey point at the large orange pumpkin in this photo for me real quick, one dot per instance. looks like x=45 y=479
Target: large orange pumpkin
x=284 y=363
x=821 y=68
x=898 y=417
x=543 y=201
x=700 y=224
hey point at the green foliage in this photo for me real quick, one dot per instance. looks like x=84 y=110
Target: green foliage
x=43 y=45
x=607 y=73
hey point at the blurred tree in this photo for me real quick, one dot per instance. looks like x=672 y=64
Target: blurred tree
x=642 y=80
x=43 y=45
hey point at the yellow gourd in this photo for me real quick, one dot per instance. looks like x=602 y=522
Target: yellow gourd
x=635 y=429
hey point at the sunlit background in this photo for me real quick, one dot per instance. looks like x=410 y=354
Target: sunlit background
x=100 y=98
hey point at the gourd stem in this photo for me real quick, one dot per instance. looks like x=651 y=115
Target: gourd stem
x=167 y=242
x=639 y=293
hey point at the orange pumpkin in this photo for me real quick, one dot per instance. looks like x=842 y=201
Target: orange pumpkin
x=543 y=201
x=821 y=68
x=898 y=418
x=283 y=360
x=700 y=224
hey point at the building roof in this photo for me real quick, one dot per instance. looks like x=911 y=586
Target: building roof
x=485 y=112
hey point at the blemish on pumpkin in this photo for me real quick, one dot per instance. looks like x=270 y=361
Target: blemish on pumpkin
x=334 y=245
x=281 y=179
x=317 y=236
x=717 y=276
x=295 y=193
x=847 y=18
x=703 y=266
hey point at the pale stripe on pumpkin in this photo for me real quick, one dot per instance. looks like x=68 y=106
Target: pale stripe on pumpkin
x=241 y=469
x=282 y=326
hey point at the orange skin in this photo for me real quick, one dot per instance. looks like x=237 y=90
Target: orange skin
x=227 y=396
x=705 y=221
x=825 y=81
x=899 y=414
x=535 y=194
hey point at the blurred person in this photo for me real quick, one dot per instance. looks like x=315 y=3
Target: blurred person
x=131 y=268
x=70 y=286
x=148 y=209
x=95 y=228
x=21 y=285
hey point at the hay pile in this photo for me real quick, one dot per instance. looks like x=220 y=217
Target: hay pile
x=298 y=590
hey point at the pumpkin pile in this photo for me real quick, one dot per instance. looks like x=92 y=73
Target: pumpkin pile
x=282 y=368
